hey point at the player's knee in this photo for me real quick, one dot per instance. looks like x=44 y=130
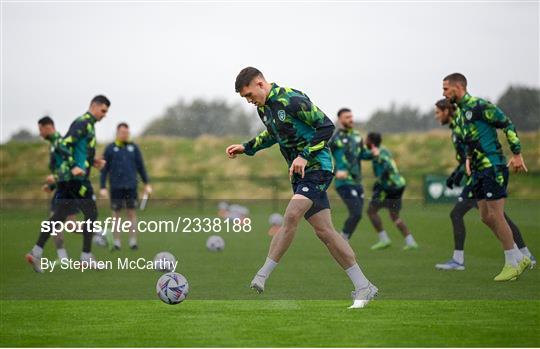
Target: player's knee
x=487 y=217
x=324 y=235
x=456 y=214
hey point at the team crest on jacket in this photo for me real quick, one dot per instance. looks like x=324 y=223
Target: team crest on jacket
x=468 y=115
x=130 y=148
x=281 y=115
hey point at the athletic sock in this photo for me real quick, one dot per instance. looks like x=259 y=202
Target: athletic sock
x=357 y=277
x=526 y=252
x=117 y=243
x=62 y=253
x=37 y=251
x=267 y=268
x=85 y=256
x=509 y=258
x=517 y=254
x=409 y=240
x=459 y=256
x=383 y=236
x=132 y=242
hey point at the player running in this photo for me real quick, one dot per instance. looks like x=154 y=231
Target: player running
x=123 y=160
x=74 y=187
x=48 y=132
x=348 y=150
x=445 y=114
x=387 y=193
x=302 y=131
x=486 y=163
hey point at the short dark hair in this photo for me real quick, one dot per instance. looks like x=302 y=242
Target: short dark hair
x=46 y=120
x=245 y=76
x=122 y=124
x=375 y=138
x=343 y=110
x=101 y=99
x=456 y=78
x=445 y=104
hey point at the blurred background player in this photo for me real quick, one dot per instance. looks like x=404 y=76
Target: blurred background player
x=123 y=161
x=276 y=221
x=78 y=149
x=444 y=113
x=387 y=193
x=48 y=132
x=302 y=131
x=348 y=150
x=486 y=163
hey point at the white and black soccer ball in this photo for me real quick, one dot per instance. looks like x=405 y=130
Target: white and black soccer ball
x=215 y=243
x=172 y=288
x=164 y=262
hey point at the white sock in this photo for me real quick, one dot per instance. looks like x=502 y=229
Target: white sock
x=509 y=258
x=117 y=243
x=357 y=277
x=37 y=251
x=62 y=253
x=132 y=241
x=383 y=236
x=517 y=254
x=459 y=256
x=409 y=240
x=526 y=252
x=86 y=256
x=267 y=268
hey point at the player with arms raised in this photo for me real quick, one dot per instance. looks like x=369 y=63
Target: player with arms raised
x=302 y=131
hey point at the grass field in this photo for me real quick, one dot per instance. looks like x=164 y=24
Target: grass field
x=305 y=303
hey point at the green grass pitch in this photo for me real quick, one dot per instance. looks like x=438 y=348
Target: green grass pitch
x=305 y=303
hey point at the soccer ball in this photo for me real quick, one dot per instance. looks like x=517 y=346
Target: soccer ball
x=215 y=243
x=164 y=262
x=172 y=288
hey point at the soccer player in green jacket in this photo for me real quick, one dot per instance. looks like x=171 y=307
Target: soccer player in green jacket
x=74 y=187
x=348 y=150
x=445 y=113
x=387 y=193
x=487 y=166
x=302 y=131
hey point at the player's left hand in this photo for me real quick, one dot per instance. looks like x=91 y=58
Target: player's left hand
x=517 y=164
x=298 y=166
x=99 y=163
x=341 y=174
x=148 y=189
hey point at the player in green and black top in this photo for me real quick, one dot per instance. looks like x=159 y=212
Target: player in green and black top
x=485 y=162
x=57 y=151
x=74 y=187
x=445 y=112
x=348 y=150
x=387 y=192
x=302 y=131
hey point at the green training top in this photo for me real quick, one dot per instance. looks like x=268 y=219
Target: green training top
x=298 y=126
x=348 y=150
x=386 y=171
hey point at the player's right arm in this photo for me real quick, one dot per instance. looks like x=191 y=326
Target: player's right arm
x=338 y=152
x=262 y=141
x=105 y=172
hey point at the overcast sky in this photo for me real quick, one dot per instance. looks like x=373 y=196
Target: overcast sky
x=145 y=56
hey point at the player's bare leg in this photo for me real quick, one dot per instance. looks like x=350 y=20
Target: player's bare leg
x=410 y=243
x=376 y=221
x=296 y=209
x=132 y=217
x=344 y=255
x=117 y=233
x=492 y=213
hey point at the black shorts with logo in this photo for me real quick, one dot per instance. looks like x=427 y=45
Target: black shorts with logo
x=314 y=186
x=387 y=197
x=57 y=195
x=490 y=183
x=123 y=198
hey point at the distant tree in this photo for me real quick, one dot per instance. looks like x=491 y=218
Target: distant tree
x=24 y=136
x=522 y=105
x=215 y=117
x=403 y=118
